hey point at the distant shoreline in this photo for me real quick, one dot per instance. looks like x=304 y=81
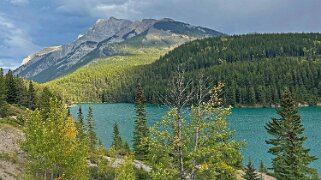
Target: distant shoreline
x=236 y=106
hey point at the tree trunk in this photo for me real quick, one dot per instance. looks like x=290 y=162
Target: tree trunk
x=180 y=149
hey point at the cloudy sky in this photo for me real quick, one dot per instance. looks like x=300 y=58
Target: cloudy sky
x=30 y=25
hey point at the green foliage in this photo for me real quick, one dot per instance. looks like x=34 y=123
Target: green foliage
x=120 y=146
x=262 y=168
x=44 y=103
x=11 y=88
x=125 y=170
x=117 y=143
x=291 y=158
x=250 y=173
x=209 y=152
x=88 y=83
x=140 y=126
x=52 y=147
x=3 y=104
x=91 y=129
x=31 y=96
x=104 y=97
x=255 y=68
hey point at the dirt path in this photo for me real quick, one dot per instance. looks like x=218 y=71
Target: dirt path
x=11 y=156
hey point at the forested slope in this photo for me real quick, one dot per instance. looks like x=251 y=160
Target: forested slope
x=256 y=68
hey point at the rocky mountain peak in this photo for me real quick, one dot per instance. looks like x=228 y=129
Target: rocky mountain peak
x=54 y=62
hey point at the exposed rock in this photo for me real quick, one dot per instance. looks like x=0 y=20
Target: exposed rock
x=56 y=61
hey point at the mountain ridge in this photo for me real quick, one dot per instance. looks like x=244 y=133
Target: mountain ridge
x=102 y=40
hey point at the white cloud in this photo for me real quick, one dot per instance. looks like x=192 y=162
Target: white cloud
x=19 y=2
x=130 y=9
x=14 y=43
x=8 y=63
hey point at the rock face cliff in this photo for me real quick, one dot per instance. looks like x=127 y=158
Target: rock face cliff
x=53 y=62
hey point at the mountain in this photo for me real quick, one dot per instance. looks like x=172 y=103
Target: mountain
x=108 y=37
x=255 y=68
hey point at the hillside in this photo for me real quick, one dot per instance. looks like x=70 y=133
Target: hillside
x=255 y=68
x=106 y=38
x=112 y=74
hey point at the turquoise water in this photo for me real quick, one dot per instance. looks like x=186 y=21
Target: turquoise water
x=248 y=124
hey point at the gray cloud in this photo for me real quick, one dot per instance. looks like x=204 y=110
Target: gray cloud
x=31 y=24
x=14 y=42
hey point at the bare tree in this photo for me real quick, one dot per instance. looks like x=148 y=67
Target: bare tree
x=179 y=93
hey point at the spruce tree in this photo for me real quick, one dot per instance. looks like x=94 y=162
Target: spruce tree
x=91 y=129
x=31 y=96
x=44 y=104
x=262 y=169
x=291 y=157
x=11 y=88
x=140 y=126
x=21 y=91
x=80 y=116
x=250 y=173
x=117 y=143
x=3 y=106
x=104 y=97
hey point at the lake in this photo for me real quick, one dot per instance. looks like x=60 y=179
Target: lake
x=248 y=124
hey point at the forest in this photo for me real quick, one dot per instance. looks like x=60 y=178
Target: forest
x=58 y=146
x=256 y=68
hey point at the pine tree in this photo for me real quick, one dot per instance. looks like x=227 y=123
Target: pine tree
x=3 y=105
x=140 y=126
x=44 y=104
x=262 y=169
x=117 y=143
x=91 y=129
x=31 y=96
x=291 y=158
x=22 y=92
x=104 y=97
x=80 y=116
x=11 y=88
x=250 y=173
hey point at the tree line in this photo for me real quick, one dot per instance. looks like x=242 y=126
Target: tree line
x=255 y=68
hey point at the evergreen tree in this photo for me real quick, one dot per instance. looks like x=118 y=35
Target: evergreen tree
x=104 y=97
x=91 y=129
x=140 y=126
x=31 y=96
x=3 y=104
x=291 y=158
x=117 y=143
x=80 y=117
x=11 y=88
x=22 y=92
x=262 y=169
x=44 y=104
x=250 y=173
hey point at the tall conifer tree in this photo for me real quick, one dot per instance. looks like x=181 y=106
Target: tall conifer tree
x=291 y=157
x=31 y=96
x=3 y=107
x=250 y=173
x=117 y=143
x=91 y=129
x=140 y=126
x=11 y=88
